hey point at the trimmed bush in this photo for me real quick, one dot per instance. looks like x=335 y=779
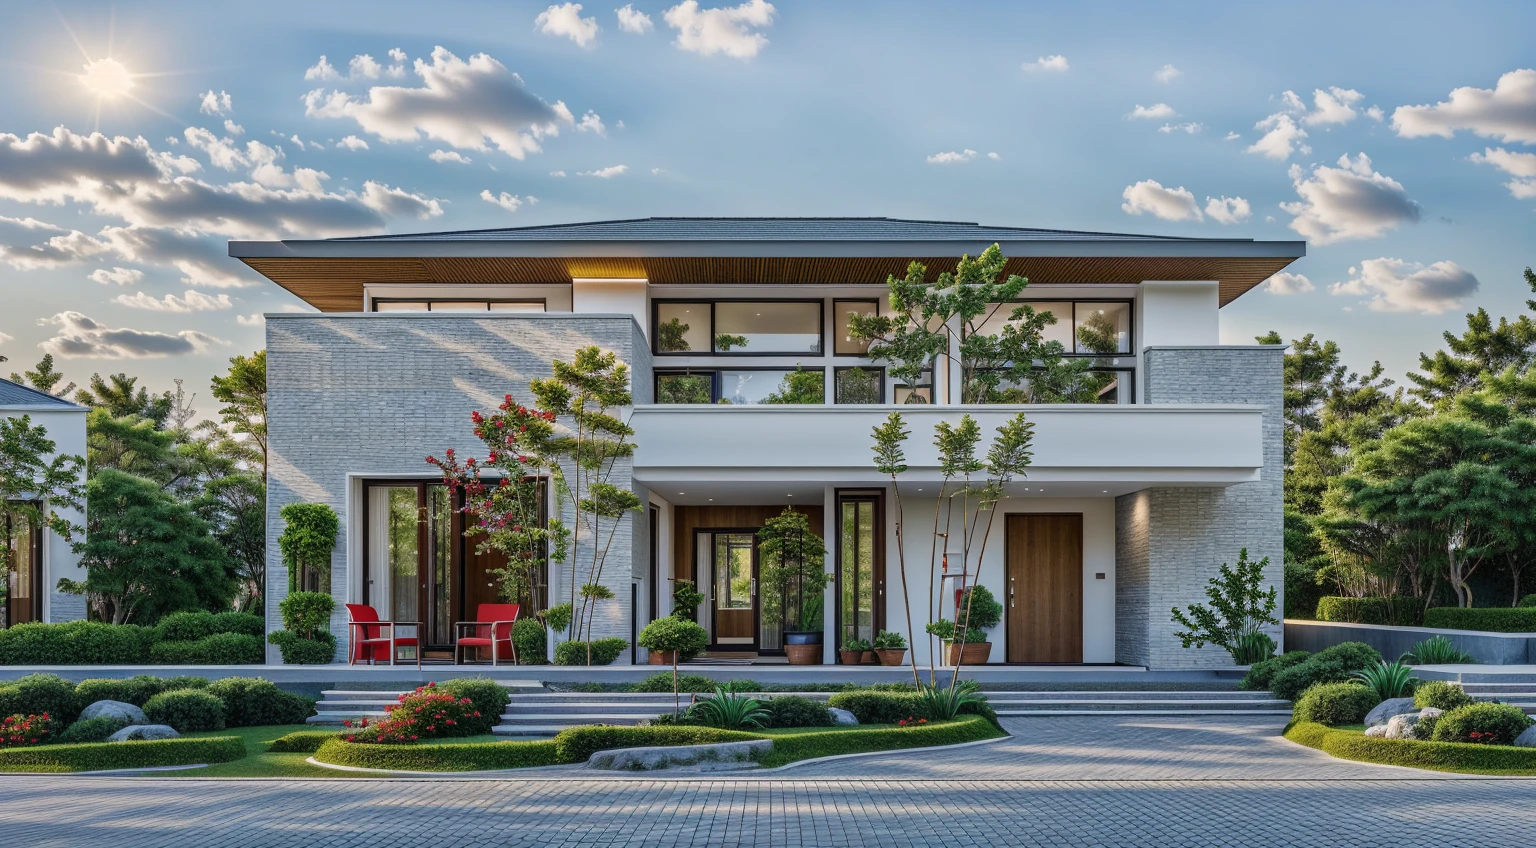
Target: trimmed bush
x=192 y=626
x=1488 y=619
x=532 y=642
x=790 y=747
x=439 y=757
x=1440 y=694
x=187 y=710
x=102 y=756
x=183 y=682
x=576 y=744
x=796 y=711
x=91 y=730
x=243 y=623
x=297 y=650
x=1399 y=611
x=1528 y=601
x=218 y=649
x=132 y=690
x=1485 y=724
x=76 y=643
x=254 y=702
x=489 y=698
x=685 y=683
x=36 y=694
x=302 y=741
x=668 y=634
x=1261 y=673
x=1440 y=756
x=307 y=613
x=604 y=651
x=1331 y=665
x=871 y=707
x=1334 y=704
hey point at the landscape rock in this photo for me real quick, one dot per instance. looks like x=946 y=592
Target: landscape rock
x=120 y=710
x=1400 y=727
x=1384 y=711
x=136 y=732
x=1379 y=730
x=1527 y=739
x=842 y=716
x=722 y=754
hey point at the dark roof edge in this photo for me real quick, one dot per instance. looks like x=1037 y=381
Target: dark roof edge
x=35 y=400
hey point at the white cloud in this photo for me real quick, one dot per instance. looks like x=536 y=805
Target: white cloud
x=1282 y=137
x=1506 y=112
x=352 y=142
x=604 y=173
x=202 y=261
x=27 y=243
x=993 y=156
x=726 y=30
x=6 y=337
x=1167 y=73
x=193 y=301
x=322 y=70
x=364 y=66
x=216 y=104
x=1395 y=285
x=557 y=173
x=78 y=336
x=952 y=156
x=1232 y=136
x=1521 y=166
x=1334 y=106
x=1170 y=204
x=1155 y=112
x=399 y=203
x=1189 y=127
x=259 y=319
x=397 y=58
x=566 y=20
x=1285 y=283
x=1049 y=64
x=116 y=276
x=1375 y=114
x=505 y=200
x=1349 y=202
x=590 y=122
x=448 y=156
x=233 y=128
x=472 y=105
x=633 y=21
x=1228 y=210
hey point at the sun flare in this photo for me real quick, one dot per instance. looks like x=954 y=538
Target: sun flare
x=107 y=78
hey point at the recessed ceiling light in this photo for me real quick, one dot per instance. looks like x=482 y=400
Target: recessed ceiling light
x=682 y=493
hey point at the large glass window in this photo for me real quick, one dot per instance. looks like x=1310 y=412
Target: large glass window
x=1103 y=328
x=457 y=305
x=859 y=582
x=743 y=386
x=768 y=327
x=856 y=384
x=842 y=343
x=683 y=328
x=686 y=388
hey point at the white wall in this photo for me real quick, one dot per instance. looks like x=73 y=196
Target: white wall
x=556 y=297
x=1177 y=314
x=612 y=297
x=66 y=428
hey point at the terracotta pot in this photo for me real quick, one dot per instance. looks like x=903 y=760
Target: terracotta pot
x=661 y=657
x=850 y=657
x=869 y=658
x=891 y=656
x=975 y=653
x=803 y=654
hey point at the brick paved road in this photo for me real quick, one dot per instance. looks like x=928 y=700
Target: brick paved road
x=1133 y=782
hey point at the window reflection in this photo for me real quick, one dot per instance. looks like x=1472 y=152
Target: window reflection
x=767 y=327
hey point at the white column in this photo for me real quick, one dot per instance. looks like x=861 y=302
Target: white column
x=610 y=296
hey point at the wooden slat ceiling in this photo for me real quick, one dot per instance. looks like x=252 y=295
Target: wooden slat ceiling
x=336 y=285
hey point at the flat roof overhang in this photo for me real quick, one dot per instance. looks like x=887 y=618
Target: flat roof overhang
x=330 y=274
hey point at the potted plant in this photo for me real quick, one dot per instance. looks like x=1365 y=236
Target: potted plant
x=979 y=612
x=686 y=600
x=852 y=652
x=890 y=647
x=794 y=577
x=675 y=640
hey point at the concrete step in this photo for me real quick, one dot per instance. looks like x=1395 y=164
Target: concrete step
x=1108 y=695
x=646 y=709
x=570 y=720
x=1126 y=712
x=1017 y=707
x=526 y=730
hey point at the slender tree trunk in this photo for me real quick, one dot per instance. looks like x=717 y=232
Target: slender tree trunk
x=933 y=580
x=906 y=596
x=991 y=514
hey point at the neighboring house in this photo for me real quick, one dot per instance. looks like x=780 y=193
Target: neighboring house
x=39 y=558
x=1132 y=502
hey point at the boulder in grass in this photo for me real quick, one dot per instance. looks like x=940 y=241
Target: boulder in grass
x=1379 y=731
x=144 y=732
x=1384 y=711
x=842 y=716
x=1527 y=738
x=1399 y=726
x=122 y=711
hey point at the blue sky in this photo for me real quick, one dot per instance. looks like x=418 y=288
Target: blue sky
x=1167 y=118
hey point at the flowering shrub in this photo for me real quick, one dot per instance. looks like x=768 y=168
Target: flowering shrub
x=426 y=713
x=19 y=731
x=912 y=721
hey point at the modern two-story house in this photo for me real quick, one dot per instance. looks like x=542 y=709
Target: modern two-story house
x=1134 y=499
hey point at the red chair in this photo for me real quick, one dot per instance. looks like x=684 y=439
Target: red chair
x=366 y=637
x=492 y=628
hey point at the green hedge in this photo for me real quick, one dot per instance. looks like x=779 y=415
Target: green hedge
x=1261 y=673
x=489 y=697
x=76 y=643
x=254 y=702
x=604 y=651
x=218 y=649
x=577 y=744
x=36 y=694
x=461 y=756
x=1490 y=619
x=789 y=747
x=102 y=756
x=187 y=710
x=303 y=741
x=1399 y=611
x=878 y=707
x=1335 y=704
x=1438 y=756
x=1330 y=665
x=298 y=650
x=192 y=626
x=132 y=690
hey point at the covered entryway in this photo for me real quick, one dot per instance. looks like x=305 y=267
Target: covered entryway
x=1045 y=588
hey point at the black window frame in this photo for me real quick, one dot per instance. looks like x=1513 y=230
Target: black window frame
x=373 y=304
x=1130 y=333
x=881 y=378
x=656 y=304
x=713 y=372
x=836 y=312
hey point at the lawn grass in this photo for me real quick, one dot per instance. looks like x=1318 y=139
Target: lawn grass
x=259 y=762
x=1351 y=743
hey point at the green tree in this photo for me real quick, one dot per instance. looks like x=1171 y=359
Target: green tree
x=235 y=507
x=891 y=459
x=1484 y=348
x=121 y=396
x=307 y=543
x=243 y=391
x=35 y=483
x=799 y=386
x=793 y=570
x=146 y=554
x=672 y=336
x=44 y=378
x=1240 y=606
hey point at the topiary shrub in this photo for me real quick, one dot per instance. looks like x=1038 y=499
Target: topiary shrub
x=1528 y=601
x=489 y=698
x=307 y=613
x=577 y=744
x=685 y=683
x=121 y=755
x=76 y=643
x=669 y=634
x=297 y=650
x=186 y=626
x=532 y=642
x=878 y=707
x=183 y=682
x=1487 y=724
x=133 y=690
x=187 y=710
x=1440 y=694
x=796 y=711
x=1331 y=665
x=985 y=611
x=1334 y=704
x=218 y=649
x=91 y=730
x=1408 y=612
x=239 y=622
x=1489 y=619
x=1261 y=673
x=36 y=694
x=254 y=702
x=604 y=651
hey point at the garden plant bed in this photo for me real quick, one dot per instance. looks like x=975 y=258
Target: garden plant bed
x=110 y=756
x=1351 y=743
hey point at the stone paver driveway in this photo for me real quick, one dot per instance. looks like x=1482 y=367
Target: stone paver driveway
x=1131 y=781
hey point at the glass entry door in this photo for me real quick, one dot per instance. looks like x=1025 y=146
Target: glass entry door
x=732 y=566
x=410 y=553
x=23 y=601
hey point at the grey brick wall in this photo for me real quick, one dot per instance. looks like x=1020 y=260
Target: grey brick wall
x=1170 y=541
x=375 y=394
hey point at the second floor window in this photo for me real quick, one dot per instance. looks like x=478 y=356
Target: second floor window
x=737 y=327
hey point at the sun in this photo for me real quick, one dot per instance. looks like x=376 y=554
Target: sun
x=107 y=78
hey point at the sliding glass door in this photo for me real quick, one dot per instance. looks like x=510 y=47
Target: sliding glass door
x=24 y=542
x=860 y=577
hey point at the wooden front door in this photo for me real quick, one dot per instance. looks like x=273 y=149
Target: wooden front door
x=1045 y=588
x=733 y=588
